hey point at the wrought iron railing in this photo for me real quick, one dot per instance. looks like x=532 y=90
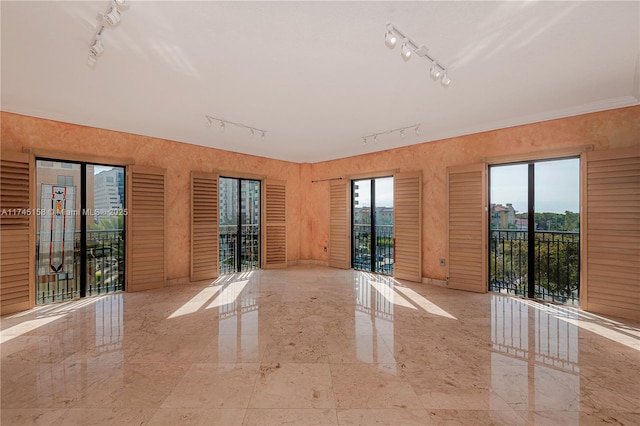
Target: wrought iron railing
x=105 y=268
x=249 y=250
x=362 y=249
x=556 y=264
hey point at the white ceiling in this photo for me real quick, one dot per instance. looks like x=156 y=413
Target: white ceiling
x=317 y=75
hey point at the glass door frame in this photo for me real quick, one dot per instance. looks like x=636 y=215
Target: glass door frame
x=373 y=250
x=531 y=223
x=82 y=193
x=238 y=246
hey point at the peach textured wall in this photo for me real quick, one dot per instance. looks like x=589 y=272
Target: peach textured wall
x=308 y=203
x=178 y=158
x=609 y=129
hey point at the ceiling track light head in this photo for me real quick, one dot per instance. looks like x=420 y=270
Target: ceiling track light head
x=390 y=40
x=97 y=47
x=435 y=70
x=112 y=17
x=406 y=50
x=390 y=37
x=445 y=81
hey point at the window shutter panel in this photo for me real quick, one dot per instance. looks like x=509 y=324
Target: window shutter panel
x=407 y=189
x=275 y=225
x=17 y=233
x=610 y=234
x=204 y=226
x=339 y=225
x=146 y=228
x=467 y=227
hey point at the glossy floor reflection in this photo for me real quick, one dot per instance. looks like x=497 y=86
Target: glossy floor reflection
x=313 y=345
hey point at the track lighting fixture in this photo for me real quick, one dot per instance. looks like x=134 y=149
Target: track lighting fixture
x=409 y=47
x=223 y=123
x=112 y=17
x=401 y=130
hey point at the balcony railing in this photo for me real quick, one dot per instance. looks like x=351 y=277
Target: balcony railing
x=105 y=268
x=556 y=264
x=362 y=248
x=249 y=250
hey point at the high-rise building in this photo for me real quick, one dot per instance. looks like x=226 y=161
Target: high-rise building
x=108 y=190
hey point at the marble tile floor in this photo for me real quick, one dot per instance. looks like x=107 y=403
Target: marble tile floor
x=316 y=346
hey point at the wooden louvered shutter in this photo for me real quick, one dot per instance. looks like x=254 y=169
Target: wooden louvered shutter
x=339 y=225
x=611 y=233
x=407 y=201
x=204 y=226
x=275 y=225
x=146 y=228
x=467 y=227
x=17 y=235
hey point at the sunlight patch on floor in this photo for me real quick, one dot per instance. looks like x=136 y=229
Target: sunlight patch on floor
x=197 y=302
x=424 y=303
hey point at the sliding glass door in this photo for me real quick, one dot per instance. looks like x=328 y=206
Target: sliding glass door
x=239 y=226
x=372 y=225
x=80 y=230
x=534 y=228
